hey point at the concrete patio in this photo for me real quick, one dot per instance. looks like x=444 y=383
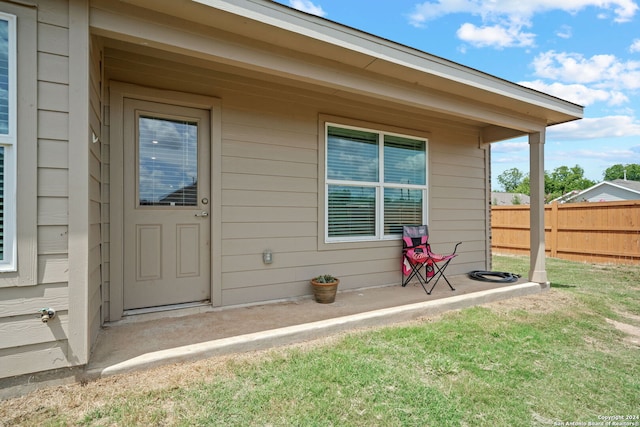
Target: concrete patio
x=147 y=340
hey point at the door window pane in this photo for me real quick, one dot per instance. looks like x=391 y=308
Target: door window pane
x=167 y=162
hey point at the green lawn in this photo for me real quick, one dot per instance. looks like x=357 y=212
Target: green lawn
x=545 y=359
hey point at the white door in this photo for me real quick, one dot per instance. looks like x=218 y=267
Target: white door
x=166 y=204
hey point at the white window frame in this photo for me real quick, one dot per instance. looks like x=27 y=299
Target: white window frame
x=8 y=142
x=379 y=186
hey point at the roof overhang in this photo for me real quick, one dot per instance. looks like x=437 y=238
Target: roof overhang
x=294 y=45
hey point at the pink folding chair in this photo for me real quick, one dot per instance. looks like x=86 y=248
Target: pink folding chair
x=418 y=261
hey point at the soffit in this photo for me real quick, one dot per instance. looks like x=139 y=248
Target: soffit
x=121 y=56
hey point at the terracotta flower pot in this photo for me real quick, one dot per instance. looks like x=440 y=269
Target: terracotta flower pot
x=325 y=293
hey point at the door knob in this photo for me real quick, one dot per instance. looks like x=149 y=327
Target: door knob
x=203 y=213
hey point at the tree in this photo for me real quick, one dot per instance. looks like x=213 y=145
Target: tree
x=510 y=179
x=618 y=172
x=524 y=187
x=560 y=181
x=564 y=180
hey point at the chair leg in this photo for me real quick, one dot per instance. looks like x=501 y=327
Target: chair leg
x=424 y=281
x=415 y=272
x=440 y=273
x=415 y=269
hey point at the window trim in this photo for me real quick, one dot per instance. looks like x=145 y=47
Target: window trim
x=324 y=241
x=25 y=148
x=9 y=143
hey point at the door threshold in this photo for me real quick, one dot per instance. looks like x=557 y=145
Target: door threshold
x=172 y=310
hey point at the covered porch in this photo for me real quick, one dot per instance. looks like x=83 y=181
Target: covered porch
x=269 y=110
x=162 y=337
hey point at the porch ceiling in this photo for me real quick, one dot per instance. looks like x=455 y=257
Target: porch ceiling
x=274 y=40
x=121 y=56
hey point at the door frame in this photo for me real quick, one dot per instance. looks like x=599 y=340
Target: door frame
x=118 y=93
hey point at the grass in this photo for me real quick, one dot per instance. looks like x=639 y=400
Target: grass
x=539 y=360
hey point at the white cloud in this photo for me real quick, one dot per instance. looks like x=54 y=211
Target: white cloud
x=594 y=161
x=510 y=147
x=572 y=66
x=593 y=128
x=616 y=155
x=604 y=71
x=495 y=35
x=513 y=160
x=565 y=32
x=307 y=6
x=578 y=93
x=635 y=46
x=505 y=19
x=624 y=10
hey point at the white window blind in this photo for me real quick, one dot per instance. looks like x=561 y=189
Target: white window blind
x=352 y=211
x=167 y=162
x=376 y=182
x=405 y=165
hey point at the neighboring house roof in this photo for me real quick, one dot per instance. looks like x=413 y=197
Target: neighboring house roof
x=605 y=191
x=505 y=199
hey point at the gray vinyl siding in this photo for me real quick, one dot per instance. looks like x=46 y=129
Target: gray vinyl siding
x=458 y=199
x=26 y=344
x=105 y=224
x=270 y=151
x=608 y=193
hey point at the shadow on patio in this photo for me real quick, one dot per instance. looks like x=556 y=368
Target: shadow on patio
x=143 y=341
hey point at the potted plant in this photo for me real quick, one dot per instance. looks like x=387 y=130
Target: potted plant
x=325 y=287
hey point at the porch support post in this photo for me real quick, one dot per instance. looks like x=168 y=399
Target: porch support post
x=79 y=140
x=537 y=271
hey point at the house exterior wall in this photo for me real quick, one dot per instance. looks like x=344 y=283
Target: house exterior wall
x=270 y=180
x=26 y=344
x=268 y=196
x=607 y=193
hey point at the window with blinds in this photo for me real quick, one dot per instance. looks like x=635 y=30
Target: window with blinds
x=376 y=182
x=7 y=141
x=167 y=162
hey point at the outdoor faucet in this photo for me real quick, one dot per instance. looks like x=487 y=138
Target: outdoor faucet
x=46 y=314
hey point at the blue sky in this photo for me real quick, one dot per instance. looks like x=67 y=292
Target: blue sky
x=584 y=51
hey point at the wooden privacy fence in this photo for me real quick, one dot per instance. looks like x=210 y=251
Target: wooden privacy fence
x=602 y=232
